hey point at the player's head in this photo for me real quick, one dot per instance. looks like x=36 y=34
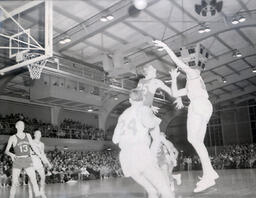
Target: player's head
x=37 y=134
x=136 y=95
x=20 y=126
x=149 y=71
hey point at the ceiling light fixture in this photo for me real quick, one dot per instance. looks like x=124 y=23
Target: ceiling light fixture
x=224 y=80
x=238 y=19
x=237 y=53
x=110 y=17
x=203 y=29
x=65 y=40
x=106 y=18
x=103 y=19
x=234 y=21
x=241 y=19
x=90 y=110
x=254 y=69
x=207 y=29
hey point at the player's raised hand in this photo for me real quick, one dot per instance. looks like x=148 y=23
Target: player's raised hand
x=155 y=109
x=174 y=73
x=160 y=44
x=178 y=103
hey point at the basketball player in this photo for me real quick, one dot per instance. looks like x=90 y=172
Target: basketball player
x=149 y=84
x=37 y=163
x=199 y=113
x=167 y=159
x=136 y=159
x=21 y=143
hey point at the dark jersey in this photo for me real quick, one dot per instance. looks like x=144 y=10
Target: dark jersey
x=22 y=146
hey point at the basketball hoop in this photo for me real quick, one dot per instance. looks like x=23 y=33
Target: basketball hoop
x=35 y=69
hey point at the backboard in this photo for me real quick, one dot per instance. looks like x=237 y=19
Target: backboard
x=26 y=29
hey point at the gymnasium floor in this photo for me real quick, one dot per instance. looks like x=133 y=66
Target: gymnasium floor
x=231 y=184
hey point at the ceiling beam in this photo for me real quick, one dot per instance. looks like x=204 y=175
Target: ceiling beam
x=239 y=87
x=20 y=9
x=243 y=5
x=232 y=69
x=94 y=26
x=248 y=90
x=225 y=90
x=244 y=75
x=247 y=62
x=174 y=2
x=79 y=20
x=197 y=38
x=163 y=22
x=222 y=42
x=251 y=82
x=242 y=34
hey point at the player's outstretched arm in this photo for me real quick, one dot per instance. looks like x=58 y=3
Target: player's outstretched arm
x=7 y=150
x=164 y=87
x=177 y=93
x=45 y=158
x=172 y=55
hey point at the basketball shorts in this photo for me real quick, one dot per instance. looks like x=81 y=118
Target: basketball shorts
x=21 y=163
x=37 y=163
x=135 y=160
x=200 y=107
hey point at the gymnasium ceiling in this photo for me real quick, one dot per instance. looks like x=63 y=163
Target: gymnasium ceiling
x=173 y=21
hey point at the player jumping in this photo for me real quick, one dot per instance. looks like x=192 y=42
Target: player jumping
x=199 y=113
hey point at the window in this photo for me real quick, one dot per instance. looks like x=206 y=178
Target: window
x=191 y=51
x=252 y=112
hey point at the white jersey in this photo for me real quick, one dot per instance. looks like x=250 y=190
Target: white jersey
x=39 y=146
x=195 y=85
x=149 y=88
x=133 y=126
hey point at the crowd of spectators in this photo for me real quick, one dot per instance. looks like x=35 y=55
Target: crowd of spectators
x=230 y=157
x=77 y=165
x=71 y=165
x=67 y=129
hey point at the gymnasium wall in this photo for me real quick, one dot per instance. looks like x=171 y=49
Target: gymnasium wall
x=30 y=110
x=89 y=118
x=44 y=113
x=236 y=127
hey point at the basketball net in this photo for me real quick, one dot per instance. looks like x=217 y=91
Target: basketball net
x=35 y=69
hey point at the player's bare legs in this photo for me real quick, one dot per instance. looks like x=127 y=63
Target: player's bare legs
x=32 y=176
x=196 y=127
x=151 y=190
x=158 y=180
x=15 y=181
x=42 y=184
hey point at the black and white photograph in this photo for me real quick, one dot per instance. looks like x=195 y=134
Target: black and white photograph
x=127 y=98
